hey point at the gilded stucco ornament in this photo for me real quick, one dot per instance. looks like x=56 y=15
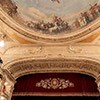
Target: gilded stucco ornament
x=54 y=83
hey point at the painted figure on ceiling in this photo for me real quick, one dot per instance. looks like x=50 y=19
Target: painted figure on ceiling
x=58 y=1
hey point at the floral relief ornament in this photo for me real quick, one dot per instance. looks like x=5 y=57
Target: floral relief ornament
x=54 y=83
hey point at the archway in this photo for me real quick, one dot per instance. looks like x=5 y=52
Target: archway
x=59 y=67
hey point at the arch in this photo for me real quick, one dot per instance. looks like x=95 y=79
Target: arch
x=24 y=66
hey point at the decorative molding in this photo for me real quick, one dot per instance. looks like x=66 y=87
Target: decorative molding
x=6 y=85
x=38 y=50
x=72 y=49
x=26 y=52
x=98 y=82
x=9 y=76
x=23 y=67
x=54 y=83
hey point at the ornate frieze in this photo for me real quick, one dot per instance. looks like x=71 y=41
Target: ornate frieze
x=23 y=67
x=54 y=83
x=51 y=51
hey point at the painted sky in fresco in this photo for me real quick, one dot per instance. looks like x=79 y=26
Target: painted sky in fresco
x=37 y=9
x=64 y=8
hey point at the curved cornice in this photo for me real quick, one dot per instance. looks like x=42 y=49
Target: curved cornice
x=32 y=36
x=20 y=67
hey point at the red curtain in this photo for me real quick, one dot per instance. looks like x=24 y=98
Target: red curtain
x=13 y=98
x=82 y=83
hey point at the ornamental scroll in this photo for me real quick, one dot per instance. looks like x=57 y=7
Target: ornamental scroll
x=54 y=83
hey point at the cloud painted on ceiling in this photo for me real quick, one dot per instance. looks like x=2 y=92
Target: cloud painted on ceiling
x=64 y=8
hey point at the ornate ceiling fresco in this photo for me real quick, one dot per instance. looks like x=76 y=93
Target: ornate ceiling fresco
x=57 y=20
x=57 y=16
